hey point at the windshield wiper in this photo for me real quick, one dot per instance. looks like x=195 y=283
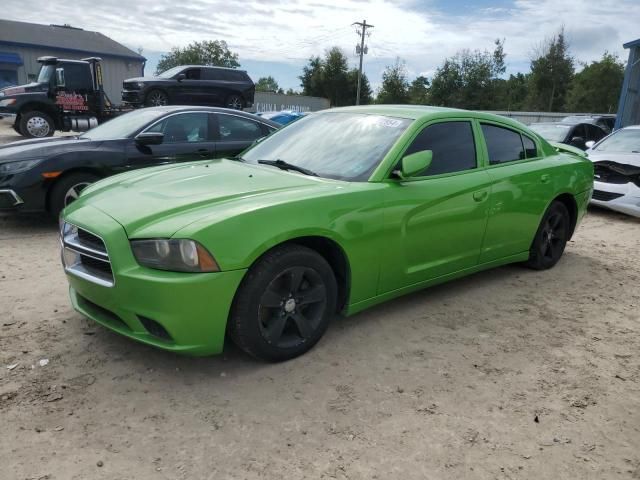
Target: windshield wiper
x=282 y=165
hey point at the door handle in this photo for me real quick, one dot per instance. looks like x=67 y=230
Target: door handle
x=480 y=195
x=545 y=178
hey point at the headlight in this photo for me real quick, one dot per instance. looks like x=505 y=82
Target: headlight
x=6 y=102
x=17 y=167
x=176 y=255
x=140 y=85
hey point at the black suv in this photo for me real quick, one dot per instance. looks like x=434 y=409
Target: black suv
x=191 y=85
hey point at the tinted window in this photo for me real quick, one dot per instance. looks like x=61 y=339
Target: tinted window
x=529 y=147
x=77 y=77
x=234 y=128
x=192 y=74
x=212 y=74
x=183 y=127
x=503 y=144
x=595 y=133
x=452 y=145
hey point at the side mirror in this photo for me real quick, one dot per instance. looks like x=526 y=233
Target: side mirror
x=577 y=141
x=415 y=163
x=181 y=76
x=149 y=138
x=60 y=78
x=590 y=144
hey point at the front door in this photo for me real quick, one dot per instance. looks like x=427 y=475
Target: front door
x=436 y=222
x=186 y=138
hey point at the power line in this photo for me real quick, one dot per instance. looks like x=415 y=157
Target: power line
x=361 y=50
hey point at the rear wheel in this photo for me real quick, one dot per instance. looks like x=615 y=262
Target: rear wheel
x=284 y=304
x=156 y=98
x=67 y=189
x=235 y=102
x=35 y=124
x=551 y=238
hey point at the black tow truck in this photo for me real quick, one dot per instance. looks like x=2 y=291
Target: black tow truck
x=68 y=96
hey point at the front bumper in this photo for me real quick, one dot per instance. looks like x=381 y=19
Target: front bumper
x=624 y=198
x=9 y=199
x=132 y=96
x=191 y=308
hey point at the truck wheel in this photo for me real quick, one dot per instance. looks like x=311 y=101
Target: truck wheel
x=235 y=102
x=35 y=124
x=156 y=98
x=67 y=189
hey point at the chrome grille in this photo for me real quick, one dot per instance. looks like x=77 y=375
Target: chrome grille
x=85 y=255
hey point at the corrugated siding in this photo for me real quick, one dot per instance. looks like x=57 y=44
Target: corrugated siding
x=114 y=70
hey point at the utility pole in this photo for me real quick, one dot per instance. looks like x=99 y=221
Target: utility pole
x=361 y=49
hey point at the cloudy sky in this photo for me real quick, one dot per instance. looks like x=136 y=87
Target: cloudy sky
x=277 y=36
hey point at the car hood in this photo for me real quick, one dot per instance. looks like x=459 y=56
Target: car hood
x=20 y=89
x=157 y=202
x=622 y=158
x=42 y=148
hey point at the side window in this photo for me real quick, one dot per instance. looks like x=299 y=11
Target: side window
x=211 y=74
x=503 y=144
x=595 y=133
x=193 y=74
x=183 y=128
x=452 y=145
x=235 y=129
x=529 y=147
x=77 y=77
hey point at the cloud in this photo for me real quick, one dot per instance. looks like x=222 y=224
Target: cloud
x=423 y=32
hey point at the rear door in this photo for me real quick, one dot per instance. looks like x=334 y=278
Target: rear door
x=236 y=133
x=520 y=192
x=187 y=137
x=436 y=221
x=215 y=86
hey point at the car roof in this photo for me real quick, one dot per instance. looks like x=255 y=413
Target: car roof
x=212 y=67
x=187 y=108
x=425 y=112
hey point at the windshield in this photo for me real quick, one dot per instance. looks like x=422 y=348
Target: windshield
x=553 y=132
x=171 y=72
x=46 y=71
x=344 y=146
x=123 y=126
x=623 y=141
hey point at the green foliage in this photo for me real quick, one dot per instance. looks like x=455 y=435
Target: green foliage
x=470 y=79
x=331 y=78
x=268 y=84
x=597 y=87
x=395 y=86
x=551 y=75
x=419 y=91
x=208 y=52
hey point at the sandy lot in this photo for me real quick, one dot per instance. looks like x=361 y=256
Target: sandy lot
x=507 y=374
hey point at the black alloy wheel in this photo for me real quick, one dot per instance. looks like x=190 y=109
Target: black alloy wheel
x=284 y=304
x=235 y=102
x=156 y=98
x=551 y=238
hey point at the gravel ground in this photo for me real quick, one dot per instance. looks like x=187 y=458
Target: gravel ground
x=505 y=374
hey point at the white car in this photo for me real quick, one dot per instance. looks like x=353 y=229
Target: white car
x=616 y=161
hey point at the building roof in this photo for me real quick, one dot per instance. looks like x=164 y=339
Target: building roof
x=62 y=37
x=632 y=43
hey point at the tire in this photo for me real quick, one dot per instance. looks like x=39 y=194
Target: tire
x=551 y=238
x=36 y=124
x=234 y=102
x=16 y=128
x=270 y=317
x=156 y=98
x=67 y=189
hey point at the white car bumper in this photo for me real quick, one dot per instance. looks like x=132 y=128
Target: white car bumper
x=624 y=198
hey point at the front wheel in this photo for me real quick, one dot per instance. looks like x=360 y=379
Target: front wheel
x=156 y=98
x=68 y=189
x=284 y=304
x=551 y=238
x=235 y=102
x=35 y=124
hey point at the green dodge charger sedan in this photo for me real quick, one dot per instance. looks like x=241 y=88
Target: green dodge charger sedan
x=341 y=210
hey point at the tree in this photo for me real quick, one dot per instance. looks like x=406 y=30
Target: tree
x=291 y=91
x=267 y=84
x=512 y=93
x=470 y=79
x=366 y=94
x=330 y=77
x=597 y=87
x=551 y=75
x=395 y=86
x=419 y=91
x=208 y=52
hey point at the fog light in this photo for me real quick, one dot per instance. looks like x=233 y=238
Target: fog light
x=70 y=258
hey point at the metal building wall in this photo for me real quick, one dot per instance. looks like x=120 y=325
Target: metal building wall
x=114 y=69
x=629 y=104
